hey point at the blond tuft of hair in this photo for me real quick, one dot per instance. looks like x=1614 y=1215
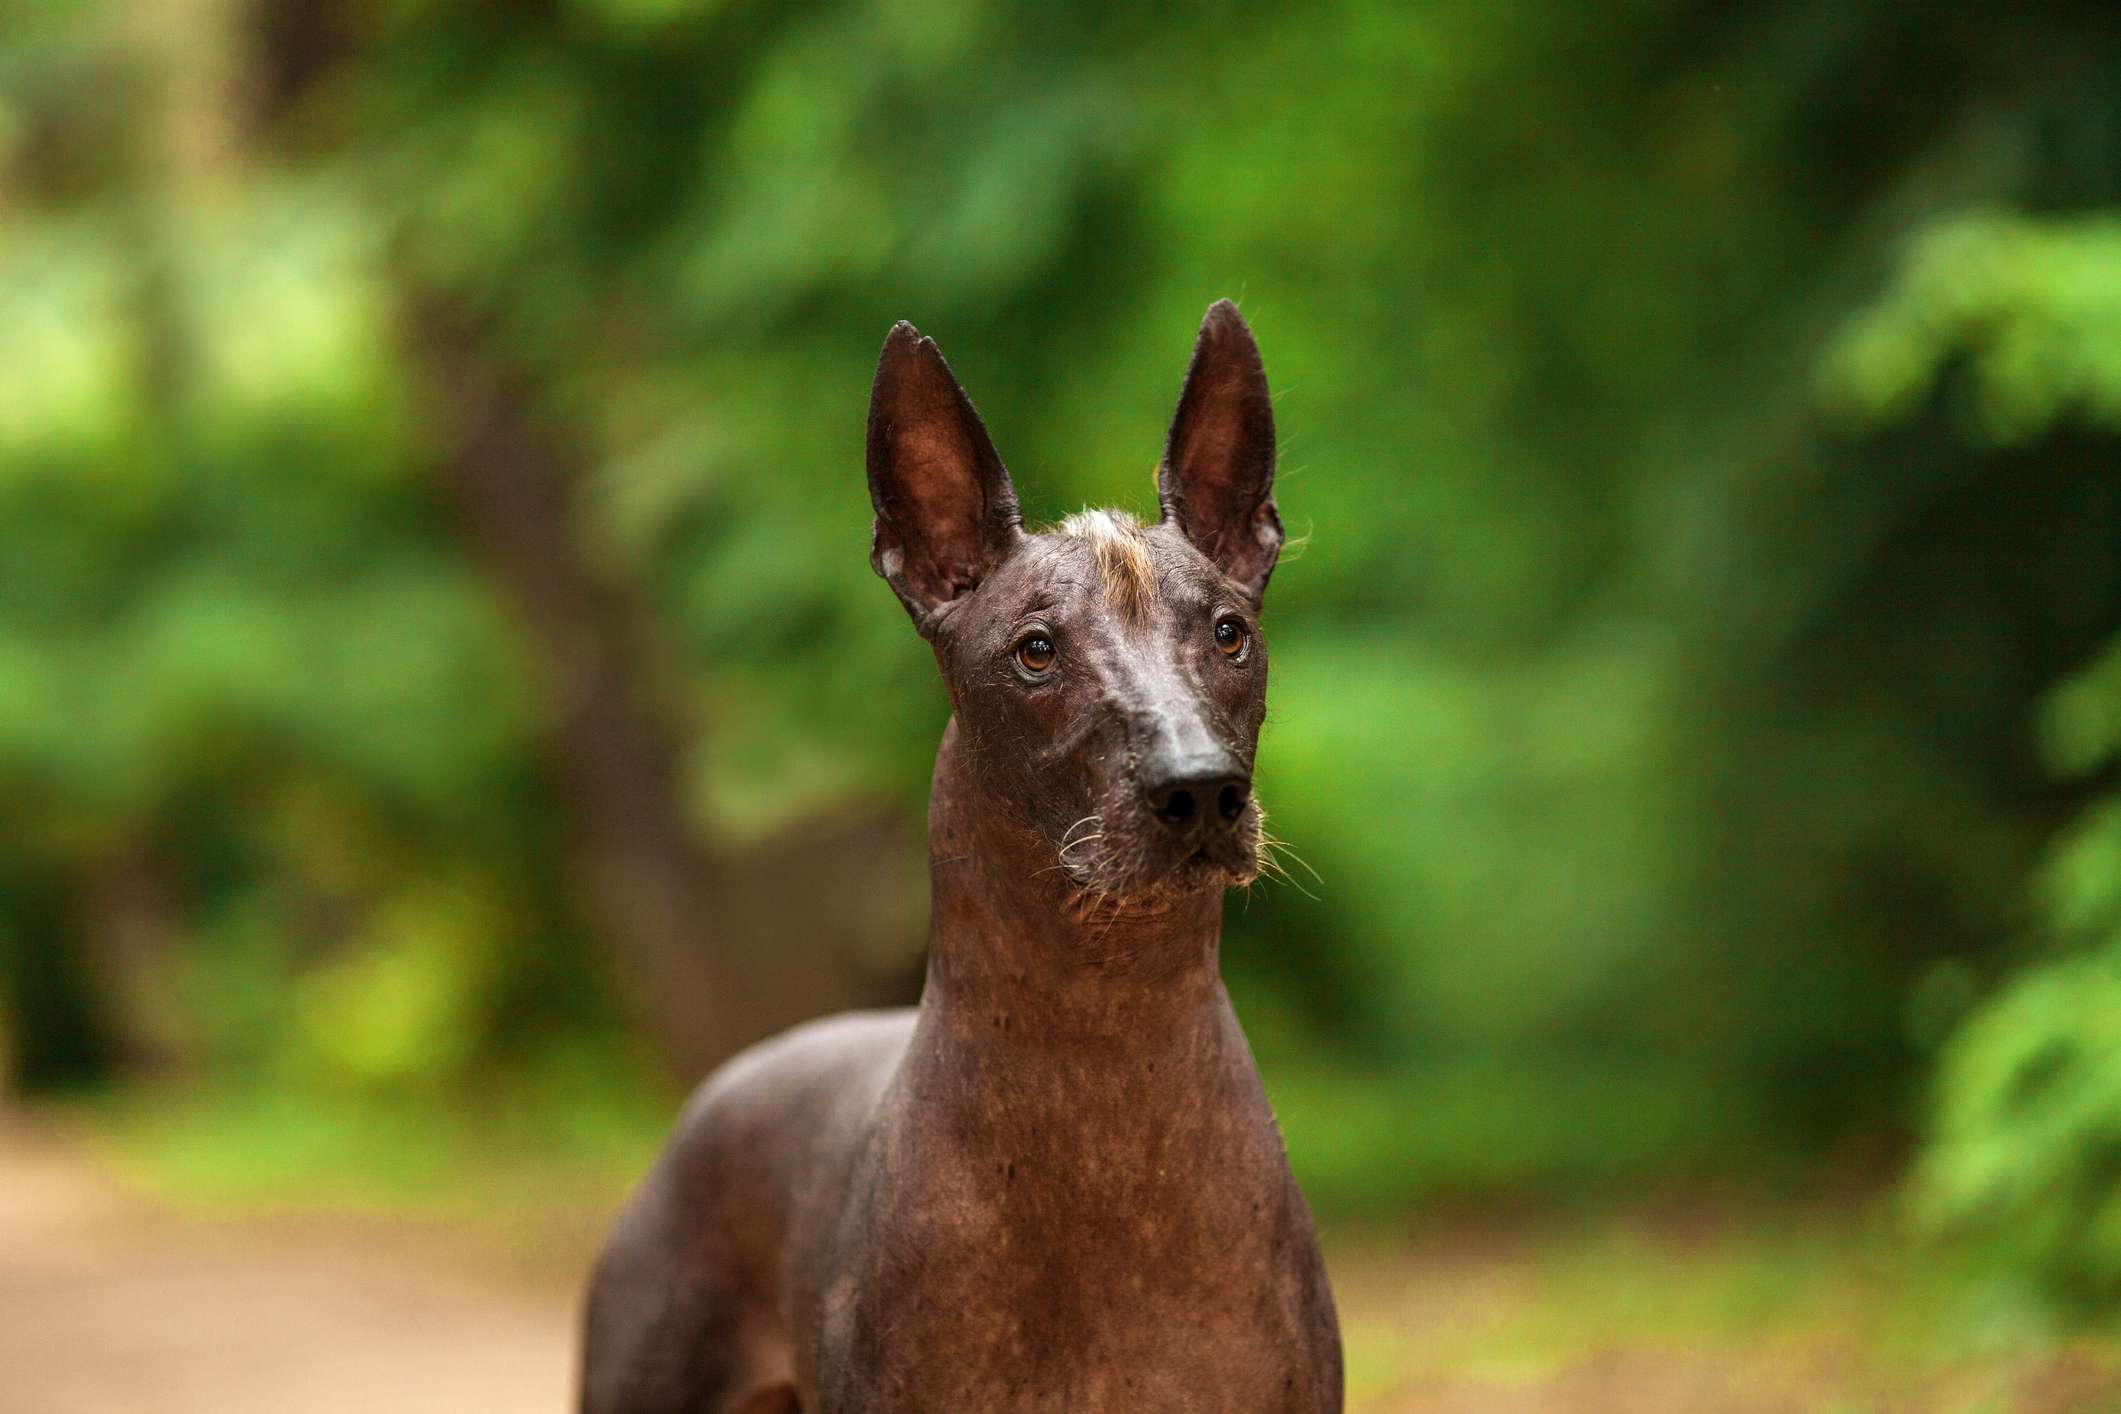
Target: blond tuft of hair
x=1123 y=565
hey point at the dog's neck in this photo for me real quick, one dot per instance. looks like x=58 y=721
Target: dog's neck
x=1012 y=945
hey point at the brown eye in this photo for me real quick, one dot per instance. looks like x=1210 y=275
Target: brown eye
x=1230 y=637
x=1035 y=653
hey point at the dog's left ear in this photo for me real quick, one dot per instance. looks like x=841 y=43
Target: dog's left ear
x=1217 y=478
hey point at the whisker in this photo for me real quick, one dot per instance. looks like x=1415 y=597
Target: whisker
x=1283 y=847
x=1272 y=852
x=1070 y=841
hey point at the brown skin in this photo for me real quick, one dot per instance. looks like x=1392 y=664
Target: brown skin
x=1056 y=1185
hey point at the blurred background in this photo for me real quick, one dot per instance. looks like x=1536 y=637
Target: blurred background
x=445 y=704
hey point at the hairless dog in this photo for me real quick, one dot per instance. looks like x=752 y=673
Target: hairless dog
x=1056 y=1184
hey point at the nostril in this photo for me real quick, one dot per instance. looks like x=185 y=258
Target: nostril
x=1189 y=805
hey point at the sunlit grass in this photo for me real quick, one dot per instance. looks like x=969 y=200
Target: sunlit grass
x=537 y=1162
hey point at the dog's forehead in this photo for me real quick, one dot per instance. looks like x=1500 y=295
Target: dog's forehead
x=1108 y=560
x=1047 y=572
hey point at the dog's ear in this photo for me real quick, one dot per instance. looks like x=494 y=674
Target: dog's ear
x=946 y=512
x=1217 y=478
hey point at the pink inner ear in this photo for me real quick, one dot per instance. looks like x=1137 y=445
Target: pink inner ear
x=1217 y=507
x=1210 y=459
x=940 y=517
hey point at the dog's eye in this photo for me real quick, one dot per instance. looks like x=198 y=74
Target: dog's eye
x=1230 y=637
x=1036 y=653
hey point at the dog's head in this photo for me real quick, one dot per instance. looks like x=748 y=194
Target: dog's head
x=1108 y=678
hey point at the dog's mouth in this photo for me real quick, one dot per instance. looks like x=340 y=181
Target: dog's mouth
x=1230 y=868
x=1194 y=874
x=1205 y=862
x=1145 y=866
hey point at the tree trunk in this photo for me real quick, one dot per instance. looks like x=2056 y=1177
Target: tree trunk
x=132 y=931
x=715 y=952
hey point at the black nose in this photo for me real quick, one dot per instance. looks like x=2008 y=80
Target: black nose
x=1187 y=799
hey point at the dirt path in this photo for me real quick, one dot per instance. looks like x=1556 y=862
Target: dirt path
x=109 y=1305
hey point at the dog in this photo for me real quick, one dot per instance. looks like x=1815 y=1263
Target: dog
x=1056 y=1185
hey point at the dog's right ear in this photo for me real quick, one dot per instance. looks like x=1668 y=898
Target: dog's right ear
x=946 y=513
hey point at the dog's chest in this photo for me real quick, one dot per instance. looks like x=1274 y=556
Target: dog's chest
x=1006 y=1288
x=1252 y=1347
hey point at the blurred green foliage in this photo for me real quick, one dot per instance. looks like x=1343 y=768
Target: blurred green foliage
x=2025 y=314
x=1703 y=458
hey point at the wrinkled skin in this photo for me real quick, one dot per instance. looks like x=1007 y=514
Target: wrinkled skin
x=1056 y=1185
